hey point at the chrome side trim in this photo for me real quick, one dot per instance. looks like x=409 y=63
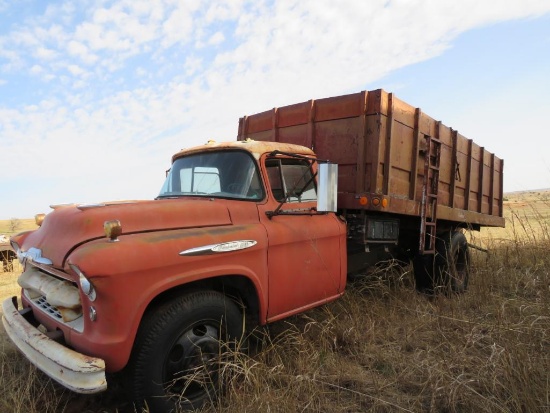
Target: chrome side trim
x=57 y=206
x=218 y=248
x=83 y=207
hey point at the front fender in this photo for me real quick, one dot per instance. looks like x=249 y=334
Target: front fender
x=130 y=273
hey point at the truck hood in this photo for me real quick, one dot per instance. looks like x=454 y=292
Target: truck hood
x=69 y=226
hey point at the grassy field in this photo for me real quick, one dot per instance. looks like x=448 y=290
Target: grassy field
x=15 y=225
x=382 y=347
x=527 y=219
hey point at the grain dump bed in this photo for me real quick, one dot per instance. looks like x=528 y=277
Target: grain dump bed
x=389 y=150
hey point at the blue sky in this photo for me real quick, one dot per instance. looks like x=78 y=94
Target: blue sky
x=95 y=96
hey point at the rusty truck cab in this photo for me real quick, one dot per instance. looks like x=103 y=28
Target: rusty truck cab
x=236 y=223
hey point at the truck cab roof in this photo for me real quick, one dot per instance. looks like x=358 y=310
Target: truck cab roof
x=256 y=148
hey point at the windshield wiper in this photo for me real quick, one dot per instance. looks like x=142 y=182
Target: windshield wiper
x=293 y=191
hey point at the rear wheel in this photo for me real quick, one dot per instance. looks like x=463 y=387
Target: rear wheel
x=176 y=358
x=449 y=270
x=453 y=262
x=423 y=266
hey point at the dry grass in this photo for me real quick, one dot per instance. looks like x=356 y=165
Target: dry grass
x=527 y=217
x=382 y=347
x=22 y=225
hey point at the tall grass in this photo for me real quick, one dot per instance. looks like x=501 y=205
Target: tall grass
x=381 y=348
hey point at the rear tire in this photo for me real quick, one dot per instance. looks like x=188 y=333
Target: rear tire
x=449 y=270
x=176 y=357
x=453 y=262
x=423 y=266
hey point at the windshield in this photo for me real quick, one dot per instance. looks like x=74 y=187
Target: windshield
x=227 y=174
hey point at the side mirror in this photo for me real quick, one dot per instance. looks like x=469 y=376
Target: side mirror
x=327 y=187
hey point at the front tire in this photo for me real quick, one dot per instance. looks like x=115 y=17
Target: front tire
x=176 y=356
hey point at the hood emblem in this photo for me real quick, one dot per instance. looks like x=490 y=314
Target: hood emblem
x=34 y=255
x=217 y=248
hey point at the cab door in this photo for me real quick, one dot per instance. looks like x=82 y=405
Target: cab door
x=306 y=253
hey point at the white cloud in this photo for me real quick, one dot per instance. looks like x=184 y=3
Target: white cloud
x=37 y=70
x=221 y=11
x=216 y=39
x=76 y=70
x=80 y=50
x=43 y=53
x=117 y=29
x=105 y=129
x=177 y=27
x=192 y=65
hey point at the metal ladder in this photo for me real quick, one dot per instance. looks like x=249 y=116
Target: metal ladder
x=430 y=186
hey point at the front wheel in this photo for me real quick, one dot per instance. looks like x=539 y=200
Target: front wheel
x=176 y=357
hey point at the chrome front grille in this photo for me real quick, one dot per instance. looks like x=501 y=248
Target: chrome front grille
x=43 y=304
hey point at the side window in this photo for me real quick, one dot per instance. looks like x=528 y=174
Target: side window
x=275 y=179
x=291 y=180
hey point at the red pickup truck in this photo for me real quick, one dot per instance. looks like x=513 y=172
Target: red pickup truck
x=264 y=227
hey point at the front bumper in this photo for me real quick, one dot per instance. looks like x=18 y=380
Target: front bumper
x=73 y=370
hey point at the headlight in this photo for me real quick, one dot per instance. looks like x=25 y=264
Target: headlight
x=85 y=285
